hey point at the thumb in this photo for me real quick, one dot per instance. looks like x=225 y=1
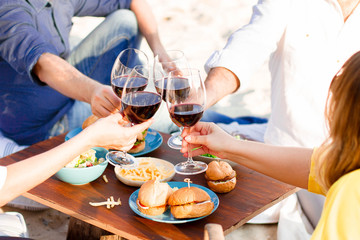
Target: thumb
x=141 y=127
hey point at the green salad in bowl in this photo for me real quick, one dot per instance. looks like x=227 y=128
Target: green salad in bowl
x=86 y=159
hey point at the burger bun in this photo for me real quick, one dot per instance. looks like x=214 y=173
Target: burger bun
x=153 y=197
x=220 y=176
x=190 y=202
x=140 y=142
x=90 y=120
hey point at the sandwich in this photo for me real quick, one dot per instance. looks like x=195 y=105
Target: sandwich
x=90 y=120
x=153 y=197
x=220 y=176
x=139 y=145
x=190 y=202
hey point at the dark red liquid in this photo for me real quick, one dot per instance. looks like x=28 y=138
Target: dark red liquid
x=140 y=106
x=137 y=84
x=187 y=114
x=180 y=89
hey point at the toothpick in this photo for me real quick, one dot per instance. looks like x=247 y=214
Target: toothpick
x=188 y=181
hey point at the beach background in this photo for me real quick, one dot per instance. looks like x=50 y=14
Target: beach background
x=198 y=28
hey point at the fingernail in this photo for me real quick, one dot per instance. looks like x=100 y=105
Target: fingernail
x=188 y=138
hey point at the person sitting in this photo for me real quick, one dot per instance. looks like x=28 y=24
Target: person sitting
x=303 y=53
x=45 y=87
x=16 y=179
x=333 y=169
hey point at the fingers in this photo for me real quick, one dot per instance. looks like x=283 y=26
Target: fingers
x=105 y=102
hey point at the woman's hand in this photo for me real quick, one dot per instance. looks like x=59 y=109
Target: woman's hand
x=205 y=138
x=113 y=132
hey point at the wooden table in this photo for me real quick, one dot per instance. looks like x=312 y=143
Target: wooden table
x=253 y=194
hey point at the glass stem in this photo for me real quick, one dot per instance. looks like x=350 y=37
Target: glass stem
x=181 y=130
x=190 y=159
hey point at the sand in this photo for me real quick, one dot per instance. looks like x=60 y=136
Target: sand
x=197 y=27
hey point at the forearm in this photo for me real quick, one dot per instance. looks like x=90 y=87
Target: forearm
x=63 y=77
x=147 y=25
x=287 y=164
x=25 y=175
x=219 y=83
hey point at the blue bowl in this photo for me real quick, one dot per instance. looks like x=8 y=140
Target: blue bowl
x=79 y=176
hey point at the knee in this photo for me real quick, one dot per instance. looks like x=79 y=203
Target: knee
x=124 y=19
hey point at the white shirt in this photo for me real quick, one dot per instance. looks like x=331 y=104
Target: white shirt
x=308 y=42
x=3 y=173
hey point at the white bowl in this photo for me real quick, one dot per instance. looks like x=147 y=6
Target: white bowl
x=167 y=166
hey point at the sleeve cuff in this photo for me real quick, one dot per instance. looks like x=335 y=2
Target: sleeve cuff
x=32 y=59
x=313 y=185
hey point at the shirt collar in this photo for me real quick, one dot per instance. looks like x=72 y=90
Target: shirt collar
x=38 y=5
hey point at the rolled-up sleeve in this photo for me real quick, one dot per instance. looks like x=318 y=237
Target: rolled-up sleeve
x=100 y=8
x=21 y=45
x=250 y=46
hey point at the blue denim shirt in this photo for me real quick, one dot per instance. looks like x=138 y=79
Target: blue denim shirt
x=29 y=108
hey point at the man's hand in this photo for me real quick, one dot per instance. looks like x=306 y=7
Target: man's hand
x=104 y=101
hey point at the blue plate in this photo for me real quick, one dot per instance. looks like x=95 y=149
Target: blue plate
x=167 y=217
x=153 y=140
x=73 y=133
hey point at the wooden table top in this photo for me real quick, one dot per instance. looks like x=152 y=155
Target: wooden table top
x=253 y=194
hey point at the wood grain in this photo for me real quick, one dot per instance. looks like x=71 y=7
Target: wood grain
x=253 y=194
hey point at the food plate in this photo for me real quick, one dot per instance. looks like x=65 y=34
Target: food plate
x=153 y=140
x=167 y=217
x=167 y=167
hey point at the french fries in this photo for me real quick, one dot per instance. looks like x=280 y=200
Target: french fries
x=105 y=179
x=147 y=170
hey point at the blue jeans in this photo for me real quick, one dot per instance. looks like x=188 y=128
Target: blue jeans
x=94 y=57
x=212 y=116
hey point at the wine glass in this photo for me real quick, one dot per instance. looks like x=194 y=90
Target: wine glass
x=175 y=61
x=139 y=102
x=123 y=65
x=185 y=99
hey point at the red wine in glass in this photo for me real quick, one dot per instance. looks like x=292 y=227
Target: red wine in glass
x=140 y=106
x=186 y=114
x=118 y=84
x=181 y=89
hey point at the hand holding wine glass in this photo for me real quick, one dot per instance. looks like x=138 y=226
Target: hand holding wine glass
x=186 y=99
x=122 y=69
x=171 y=61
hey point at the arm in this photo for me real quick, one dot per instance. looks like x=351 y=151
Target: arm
x=148 y=26
x=66 y=79
x=246 y=49
x=287 y=164
x=219 y=83
x=26 y=174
